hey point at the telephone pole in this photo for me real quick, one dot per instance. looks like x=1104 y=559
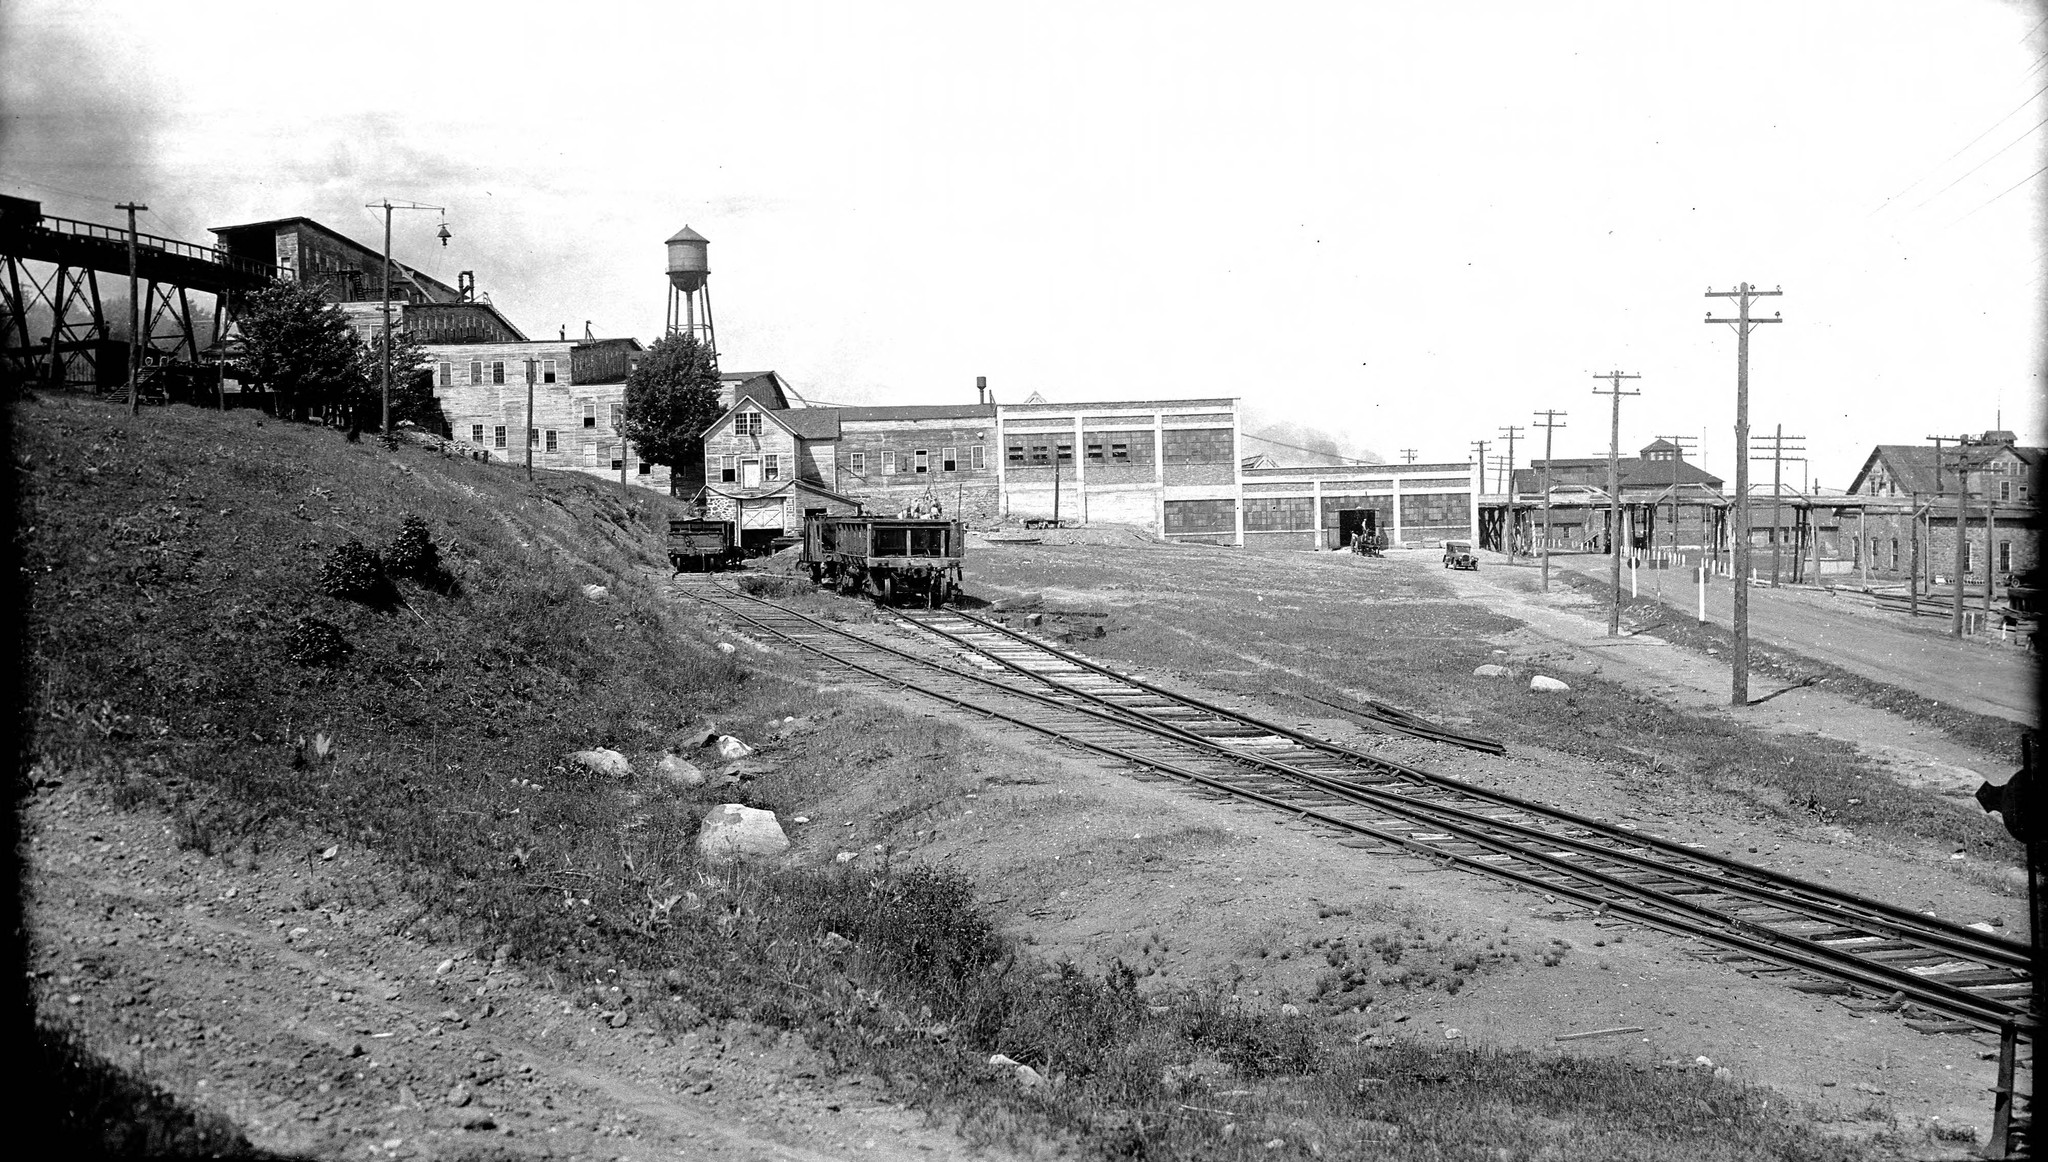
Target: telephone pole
x=1547 y=420
x=1614 y=538
x=1743 y=324
x=1778 y=458
x=1962 y=443
x=134 y=311
x=1508 y=486
x=1479 y=446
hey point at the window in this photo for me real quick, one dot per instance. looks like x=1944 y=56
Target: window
x=1969 y=556
x=888 y=463
x=1015 y=453
x=619 y=454
x=476 y=434
x=948 y=461
x=1041 y=454
x=444 y=374
x=476 y=371
x=771 y=467
x=1895 y=552
x=531 y=372
x=2005 y=556
x=2005 y=490
x=729 y=470
x=498 y=371
x=857 y=463
x=922 y=458
x=618 y=415
x=498 y=436
x=547 y=371
x=646 y=469
x=553 y=444
x=589 y=413
x=1119 y=451
x=746 y=424
x=533 y=437
x=1066 y=450
x=976 y=458
x=1094 y=450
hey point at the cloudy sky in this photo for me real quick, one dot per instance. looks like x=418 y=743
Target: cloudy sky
x=1404 y=224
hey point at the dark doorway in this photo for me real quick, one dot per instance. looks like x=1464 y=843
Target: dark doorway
x=1353 y=521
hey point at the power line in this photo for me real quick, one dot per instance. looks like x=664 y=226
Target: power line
x=1986 y=161
x=2005 y=191
x=1965 y=149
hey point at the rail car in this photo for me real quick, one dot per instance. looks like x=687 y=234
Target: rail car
x=894 y=559
x=699 y=546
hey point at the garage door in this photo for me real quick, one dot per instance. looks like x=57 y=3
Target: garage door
x=761 y=514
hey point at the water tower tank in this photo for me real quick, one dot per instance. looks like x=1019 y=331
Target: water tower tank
x=689 y=260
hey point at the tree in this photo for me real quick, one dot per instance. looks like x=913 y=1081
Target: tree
x=412 y=385
x=299 y=347
x=671 y=397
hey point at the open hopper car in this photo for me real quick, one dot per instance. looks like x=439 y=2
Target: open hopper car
x=894 y=559
x=699 y=546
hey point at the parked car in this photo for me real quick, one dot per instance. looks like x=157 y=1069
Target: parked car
x=1458 y=555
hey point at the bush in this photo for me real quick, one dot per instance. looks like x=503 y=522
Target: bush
x=355 y=572
x=412 y=553
x=315 y=641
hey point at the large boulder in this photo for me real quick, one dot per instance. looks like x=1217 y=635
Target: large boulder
x=603 y=761
x=1546 y=682
x=731 y=832
x=1490 y=670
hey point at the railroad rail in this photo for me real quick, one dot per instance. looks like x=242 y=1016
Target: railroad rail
x=1842 y=941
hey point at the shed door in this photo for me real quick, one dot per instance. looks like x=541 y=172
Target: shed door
x=750 y=474
x=761 y=514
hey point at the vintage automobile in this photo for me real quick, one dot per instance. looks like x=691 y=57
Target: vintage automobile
x=1458 y=555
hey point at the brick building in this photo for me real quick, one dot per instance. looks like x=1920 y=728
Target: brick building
x=1170 y=466
x=1320 y=507
x=1904 y=498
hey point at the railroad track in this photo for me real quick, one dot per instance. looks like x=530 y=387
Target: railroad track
x=1824 y=939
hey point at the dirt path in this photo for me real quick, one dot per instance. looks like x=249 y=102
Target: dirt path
x=1917 y=755
x=251 y=988
x=1981 y=675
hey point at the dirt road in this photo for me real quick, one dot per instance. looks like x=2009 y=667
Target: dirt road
x=1980 y=675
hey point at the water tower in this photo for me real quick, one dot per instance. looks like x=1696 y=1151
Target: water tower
x=689 y=290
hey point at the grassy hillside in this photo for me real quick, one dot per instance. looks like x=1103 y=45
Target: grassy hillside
x=194 y=644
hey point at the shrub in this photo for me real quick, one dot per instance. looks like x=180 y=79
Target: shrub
x=315 y=641
x=412 y=554
x=354 y=572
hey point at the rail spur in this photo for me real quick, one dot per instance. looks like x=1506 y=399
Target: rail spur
x=1824 y=939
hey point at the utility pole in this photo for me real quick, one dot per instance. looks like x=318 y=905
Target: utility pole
x=134 y=311
x=1962 y=443
x=1614 y=538
x=529 y=418
x=387 y=205
x=1778 y=459
x=1743 y=294
x=1508 y=486
x=1547 y=420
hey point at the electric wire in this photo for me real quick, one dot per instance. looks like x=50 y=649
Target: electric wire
x=1932 y=170
x=1986 y=161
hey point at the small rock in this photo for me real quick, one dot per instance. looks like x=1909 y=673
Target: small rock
x=596 y=592
x=331 y=852
x=1289 y=1011
x=296 y=933
x=1275 y=1143
x=679 y=770
x=801 y=819
x=617 y=1020
x=732 y=748
x=1703 y=1062
x=834 y=942
x=1028 y=1077
x=1546 y=682
x=1724 y=1074
x=846 y=857
x=440 y=969
x=603 y=761
x=460 y=1095
x=727 y=648
x=1490 y=670
x=1452 y=1034
x=1001 y=1061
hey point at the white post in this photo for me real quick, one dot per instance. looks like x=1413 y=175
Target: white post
x=1701 y=574
x=1632 y=577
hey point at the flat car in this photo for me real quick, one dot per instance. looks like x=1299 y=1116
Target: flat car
x=893 y=559
x=699 y=546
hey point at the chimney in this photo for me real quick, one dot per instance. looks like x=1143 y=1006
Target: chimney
x=981 y=388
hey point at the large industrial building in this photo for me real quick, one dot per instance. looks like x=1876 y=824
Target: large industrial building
x=1175 y=468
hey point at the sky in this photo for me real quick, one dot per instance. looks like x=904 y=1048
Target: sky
x=1383 y=226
